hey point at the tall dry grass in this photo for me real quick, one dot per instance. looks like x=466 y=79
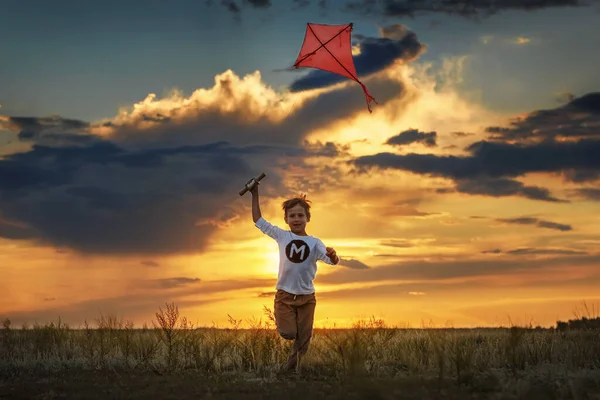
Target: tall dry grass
x=369 y=349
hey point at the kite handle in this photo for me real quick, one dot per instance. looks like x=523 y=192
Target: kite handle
x=251 y=183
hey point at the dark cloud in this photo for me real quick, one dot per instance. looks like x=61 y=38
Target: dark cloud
x=454 y=269
x=588 y=193
x=44 y=124
x=169 y=283
x=401 y=243
x=413 y=136
x=155 y=118
x=302 y=3
x=162 y=185
x=53 y=130
x=580 y=118
x=352 y=263
x=259 y=3
x=149 y=263
x=462 y=134
x=492 y=166
x=538 y=222
x=15 y=230
x=231 y=6
x=394 y=31
x=525 y=251
x=103 y=198
x=502 y=188
x=468 y=9
x=441 y=290
x=535 y=251
x=375 y=55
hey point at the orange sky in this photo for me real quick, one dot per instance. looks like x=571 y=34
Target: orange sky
x=427 y=257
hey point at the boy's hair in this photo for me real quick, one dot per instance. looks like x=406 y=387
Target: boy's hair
x=294 y=202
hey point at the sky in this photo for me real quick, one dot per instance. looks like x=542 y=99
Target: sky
x=469 y=196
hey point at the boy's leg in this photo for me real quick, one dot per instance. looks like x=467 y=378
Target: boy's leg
x=305 y=308
x=285 y=315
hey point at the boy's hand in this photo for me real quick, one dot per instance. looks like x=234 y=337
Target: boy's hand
x=330 y=252
x=254 y=189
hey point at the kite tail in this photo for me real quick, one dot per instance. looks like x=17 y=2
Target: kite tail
x=368 y=97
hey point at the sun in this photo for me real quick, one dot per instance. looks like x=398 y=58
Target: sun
x=271 y=265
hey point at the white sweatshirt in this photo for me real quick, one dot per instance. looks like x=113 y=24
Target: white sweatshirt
x=298 y=257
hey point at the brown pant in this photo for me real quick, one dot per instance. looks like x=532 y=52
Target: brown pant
x=294 y=317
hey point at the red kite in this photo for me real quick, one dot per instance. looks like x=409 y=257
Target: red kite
x=328 y=48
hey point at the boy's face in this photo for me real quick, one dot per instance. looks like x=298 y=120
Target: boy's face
x=296 y=218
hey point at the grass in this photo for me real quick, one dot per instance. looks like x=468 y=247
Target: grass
x=371 y=359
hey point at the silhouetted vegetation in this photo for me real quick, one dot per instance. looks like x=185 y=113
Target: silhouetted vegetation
x=511 y=362
x=588 y=321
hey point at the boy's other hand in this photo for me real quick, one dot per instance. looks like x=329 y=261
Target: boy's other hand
x=254 y=189
x=330 y=252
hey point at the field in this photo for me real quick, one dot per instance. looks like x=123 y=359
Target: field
x=173 y=359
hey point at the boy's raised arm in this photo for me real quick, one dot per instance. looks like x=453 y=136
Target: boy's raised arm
x=256 y=214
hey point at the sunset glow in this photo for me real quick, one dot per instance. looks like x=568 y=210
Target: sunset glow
x=468 y=197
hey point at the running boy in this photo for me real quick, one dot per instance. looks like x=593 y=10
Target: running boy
x=295 y=300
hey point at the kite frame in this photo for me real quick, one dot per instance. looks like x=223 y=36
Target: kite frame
x=323 y=45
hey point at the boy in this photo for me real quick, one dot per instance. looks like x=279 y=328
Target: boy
x=295 y=301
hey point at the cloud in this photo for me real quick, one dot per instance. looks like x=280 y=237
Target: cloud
x=413 y=136
x=162 y=176
x=502 y=188
x=394 y=31
x=451 y=270
x=103 y=198
x=150 y=263
x=375 y=54
x=496 y=160
x=169 y=283
x=468 y=9
x=461 y=134
x=231 y=6
x=401 y=243
x=259 y=3
x=352 y=263
x=45 y=124
x=491 y=166
x=580 y=118
x=143 y=299
x=142 y=185
x=536 y=251
x=537 y=222
x=587 y=193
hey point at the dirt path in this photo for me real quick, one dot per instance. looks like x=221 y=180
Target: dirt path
x=187 y=384
x=86 y=384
